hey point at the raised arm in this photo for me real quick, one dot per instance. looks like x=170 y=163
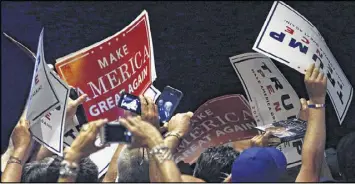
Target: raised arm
x=82 y=147
x=314 y=141
x=146 y=134
x=21 y=139
x=112 y=170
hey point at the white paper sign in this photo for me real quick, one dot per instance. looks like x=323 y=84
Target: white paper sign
x=152 y=93
x=270 y=95
x=292 y=151
x=49 y=129
x=42 y=98
x=291 y=39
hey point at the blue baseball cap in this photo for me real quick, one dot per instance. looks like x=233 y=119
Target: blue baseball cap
x=259 y=164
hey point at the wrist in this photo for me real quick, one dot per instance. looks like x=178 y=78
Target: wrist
x=153 y=141
x=72 y=156
x=317 y=100
x=19 y=153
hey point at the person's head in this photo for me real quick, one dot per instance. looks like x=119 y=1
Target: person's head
x=167 y=106
x=47 y=170
x=133 y=166
x=346 y=157
x=259 y=164
x=160 y=103
x=214 y=162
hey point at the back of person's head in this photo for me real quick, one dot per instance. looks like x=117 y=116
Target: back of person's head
x=346 y=157
x=214 y=163
x=259 y=164
x=133 y=165
x=47 y=170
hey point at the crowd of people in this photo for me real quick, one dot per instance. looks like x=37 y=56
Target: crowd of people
x=150 y=156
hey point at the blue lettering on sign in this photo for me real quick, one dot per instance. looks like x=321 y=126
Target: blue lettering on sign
x=38 y=62
x=293 y=43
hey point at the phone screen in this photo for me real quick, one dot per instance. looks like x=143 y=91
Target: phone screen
x=167 y=103
x=130 y=102
x=117 y=133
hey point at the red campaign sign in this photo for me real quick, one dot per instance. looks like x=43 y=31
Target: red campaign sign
x=220 y=120
x=122 y=62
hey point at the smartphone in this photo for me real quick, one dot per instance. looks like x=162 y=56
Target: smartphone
x=130 y=102
x=167 y=103
x=80 y=112
x=113 y=132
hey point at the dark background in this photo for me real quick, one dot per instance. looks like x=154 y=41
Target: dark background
x=192 y=45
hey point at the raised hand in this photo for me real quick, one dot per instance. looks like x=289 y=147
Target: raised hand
x=72 y=106
x=149 y=111
x=316 y=84
x=180 y=123
x=84 y=144
x=143 y=132
x=261 y=140
x=21 y=136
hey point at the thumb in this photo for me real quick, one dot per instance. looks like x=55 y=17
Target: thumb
x=303 y=104
x=190 y=114
x=80 y=100
x=267 y=134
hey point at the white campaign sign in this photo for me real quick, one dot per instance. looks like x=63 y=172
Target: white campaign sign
x=270 y=95
x=49 y=129
x=152 y=93
x=43 y=98
x=291 y=39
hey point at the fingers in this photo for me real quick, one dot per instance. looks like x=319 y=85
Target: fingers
x=80 y=100
x=144 y=104
x=126 y=123
x=96 y=125
x=314 y=74
x=267 y=134
x=309 y=72
x=189 y=114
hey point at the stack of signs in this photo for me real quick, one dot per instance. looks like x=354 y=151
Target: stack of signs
x=122 y=62
x=218 y=121
x=291 y=39
x=271 y=97
x=46 y=105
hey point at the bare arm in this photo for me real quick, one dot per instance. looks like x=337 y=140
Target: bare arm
x=172 y=142
x=112 y=171
x=314 y=141
x=146 y=134
x=22 y=145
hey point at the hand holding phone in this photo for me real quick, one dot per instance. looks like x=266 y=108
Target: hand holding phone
x=130 y=102
x=167 y=103
x=114 y=132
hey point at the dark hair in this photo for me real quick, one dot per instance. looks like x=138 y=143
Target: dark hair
x=215 y=161
x=346 y=157
x=47 y=170
x=133 y=166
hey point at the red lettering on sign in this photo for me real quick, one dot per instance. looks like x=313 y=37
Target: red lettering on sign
x=289 y=30
x=270 y=89
x=305 y=40
x=48 y=116
x=277 y=106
